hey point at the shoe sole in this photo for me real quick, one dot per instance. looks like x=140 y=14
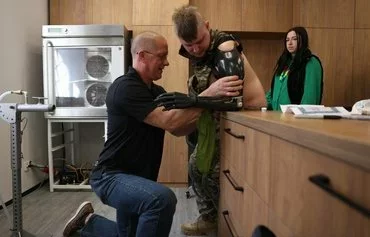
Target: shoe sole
x=75 y=215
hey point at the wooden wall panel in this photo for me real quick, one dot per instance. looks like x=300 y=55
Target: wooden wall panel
x=263 y=55
x=112 y=12
x=267 y=15
x=174 y=166
x=324 y=13
x=222 y=15
x=154 y=12
x=335 y=49
x=361 y=66
x=70 y=12
x=362 y=16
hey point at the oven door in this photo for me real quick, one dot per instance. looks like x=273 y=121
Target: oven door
x=77 y=77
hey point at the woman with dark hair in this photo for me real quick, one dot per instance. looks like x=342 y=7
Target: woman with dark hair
x=298 y=76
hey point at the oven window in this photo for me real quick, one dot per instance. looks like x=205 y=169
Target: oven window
x=82 y=76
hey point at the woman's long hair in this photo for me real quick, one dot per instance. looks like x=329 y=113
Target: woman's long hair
x=301 y=55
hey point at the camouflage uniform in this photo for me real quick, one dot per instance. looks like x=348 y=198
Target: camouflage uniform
x=206 y=185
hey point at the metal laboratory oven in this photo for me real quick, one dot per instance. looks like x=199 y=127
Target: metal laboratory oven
x=79 y=64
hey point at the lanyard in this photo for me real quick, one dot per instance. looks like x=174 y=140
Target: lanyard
x=284 y=73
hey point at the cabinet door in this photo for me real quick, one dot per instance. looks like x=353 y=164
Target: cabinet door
x=235 y=144
x=258 y=163
x=112 y=12
x=306 y=208
x=222 y=15
x=327 y=14
x=255 y=211
x=232 y=200
x=158 y=12
x=248 y=151
x=70 y=12
x=91 y=12
x=267 y=15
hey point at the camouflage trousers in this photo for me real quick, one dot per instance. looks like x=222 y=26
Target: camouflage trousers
x=206 y=188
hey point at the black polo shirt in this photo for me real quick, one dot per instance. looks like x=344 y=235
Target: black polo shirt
x=132 y=146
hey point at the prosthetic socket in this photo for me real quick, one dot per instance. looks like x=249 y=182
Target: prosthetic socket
x=225 y=63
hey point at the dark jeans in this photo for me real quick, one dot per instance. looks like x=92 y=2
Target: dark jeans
x=143 y=207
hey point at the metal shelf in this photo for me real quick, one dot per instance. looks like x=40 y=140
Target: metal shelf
x=68 y=138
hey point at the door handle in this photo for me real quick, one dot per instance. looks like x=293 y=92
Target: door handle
x=228 y=131
x=323 y=182
x=237 y=188
x=224 y=214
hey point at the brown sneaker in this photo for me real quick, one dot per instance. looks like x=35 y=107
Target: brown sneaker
x=78 y=220
x=199 y=227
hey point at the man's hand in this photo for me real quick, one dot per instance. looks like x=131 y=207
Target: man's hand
x=229 y=86
x=175 y=100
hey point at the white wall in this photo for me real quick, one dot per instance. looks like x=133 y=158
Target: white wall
x=21 y=68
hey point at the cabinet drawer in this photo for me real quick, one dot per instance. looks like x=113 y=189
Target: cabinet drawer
x=240 y=211
x=232 y=192
x=255 y=212
x=277 y=226
x=248 y=151
x=307 y=209
x=235 y=144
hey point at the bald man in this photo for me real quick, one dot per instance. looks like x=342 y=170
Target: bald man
x=125 y=175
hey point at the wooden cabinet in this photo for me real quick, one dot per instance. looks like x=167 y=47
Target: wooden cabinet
x=361 y=69
x=248 y=151
x=290 y=183
x=247 y=15
x=70 y=12
x=362 y=19
x=267 y=15
x=154 y=12
x=337 y=79
x=305 y=207
x=222 y=15
x=325 y=14
x=244 y=179
x=82 y=12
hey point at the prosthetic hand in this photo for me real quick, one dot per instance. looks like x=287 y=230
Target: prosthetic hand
x=177 y=100
x=228 y=63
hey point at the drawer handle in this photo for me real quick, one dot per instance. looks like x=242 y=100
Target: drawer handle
x=228 y=130
x=226 y=213
x=323 y=182
x=237 y=188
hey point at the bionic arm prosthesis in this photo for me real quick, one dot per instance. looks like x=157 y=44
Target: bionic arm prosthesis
x=177 y=100
x=226 y=63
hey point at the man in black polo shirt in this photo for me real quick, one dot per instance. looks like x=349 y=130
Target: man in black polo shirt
x=126 y=172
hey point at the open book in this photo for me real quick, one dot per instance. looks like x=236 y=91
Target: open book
x=321 y=112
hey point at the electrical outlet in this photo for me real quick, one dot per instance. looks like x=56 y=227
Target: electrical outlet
x=26 y=165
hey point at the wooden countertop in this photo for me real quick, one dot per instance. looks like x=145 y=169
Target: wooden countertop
x=344 y=139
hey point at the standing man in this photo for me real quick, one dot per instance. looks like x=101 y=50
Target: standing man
x=125 y=174
x=213 y=55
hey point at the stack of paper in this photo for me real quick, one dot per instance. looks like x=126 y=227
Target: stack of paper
x=320 y=111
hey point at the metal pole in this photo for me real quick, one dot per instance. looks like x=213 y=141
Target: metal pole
x=15 y=141
x=11 y=113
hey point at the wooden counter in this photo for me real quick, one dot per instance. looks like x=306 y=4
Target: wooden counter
x=298 y=177
x=345 y=139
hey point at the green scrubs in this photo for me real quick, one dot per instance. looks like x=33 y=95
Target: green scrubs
x=312 y=87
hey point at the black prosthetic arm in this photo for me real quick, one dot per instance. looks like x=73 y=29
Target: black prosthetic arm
x=177 y=100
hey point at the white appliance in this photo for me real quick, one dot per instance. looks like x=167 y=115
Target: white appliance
x=79 y=64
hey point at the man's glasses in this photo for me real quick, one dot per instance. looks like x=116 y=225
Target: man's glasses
x=162 y=57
